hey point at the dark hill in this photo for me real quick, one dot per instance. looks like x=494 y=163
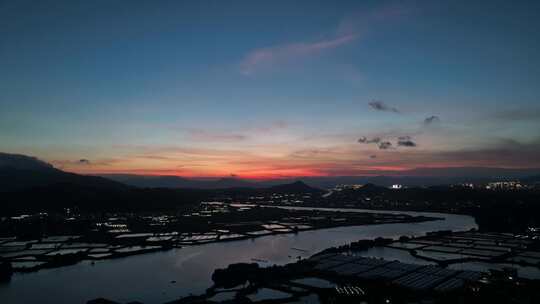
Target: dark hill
x=372 y=189
x=165 y=181
x=296 y=187
x=54 y=198
x=19 y=172
x=23 y=162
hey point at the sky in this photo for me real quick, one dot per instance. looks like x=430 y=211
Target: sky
x=270 y=89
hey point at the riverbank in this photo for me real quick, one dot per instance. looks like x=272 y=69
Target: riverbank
x=56 y=251
x=341 y=278
x=343 y=275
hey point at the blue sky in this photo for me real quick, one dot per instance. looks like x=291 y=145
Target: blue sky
x=277 y=88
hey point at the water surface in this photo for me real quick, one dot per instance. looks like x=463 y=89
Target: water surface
x=147 y=277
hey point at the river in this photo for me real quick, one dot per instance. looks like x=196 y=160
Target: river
x=148 y=278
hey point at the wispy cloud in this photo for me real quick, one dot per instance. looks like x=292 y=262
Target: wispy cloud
x=266 y=57
x=348 y=30
x=84 y=163
x=313 y=160
x=379 y=105
x=431 y=120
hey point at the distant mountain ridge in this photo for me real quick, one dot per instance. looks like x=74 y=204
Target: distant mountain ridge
x=171 y=181
x=208 y=184
x=295 y=187
x=29 y=184
x=21 y=171
x=413 y=177
x=18 y=172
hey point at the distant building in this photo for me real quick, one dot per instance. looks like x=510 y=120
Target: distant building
x=509 y=185
x=347 y=186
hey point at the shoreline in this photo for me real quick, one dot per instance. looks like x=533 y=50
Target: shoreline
x=45 y=260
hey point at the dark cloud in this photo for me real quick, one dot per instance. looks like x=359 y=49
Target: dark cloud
x=405 y=141
x=84 y=161
x=402 y=141
x=431 y=120
x=379 y=105
x=506 y=153
x=366 y=140
x=384 y=145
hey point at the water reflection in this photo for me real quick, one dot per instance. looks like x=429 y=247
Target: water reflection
x=147 y=278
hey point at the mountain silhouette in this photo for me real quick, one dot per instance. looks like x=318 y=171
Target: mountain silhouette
x=170 y=181
x=21 y=172
x=296 y=187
